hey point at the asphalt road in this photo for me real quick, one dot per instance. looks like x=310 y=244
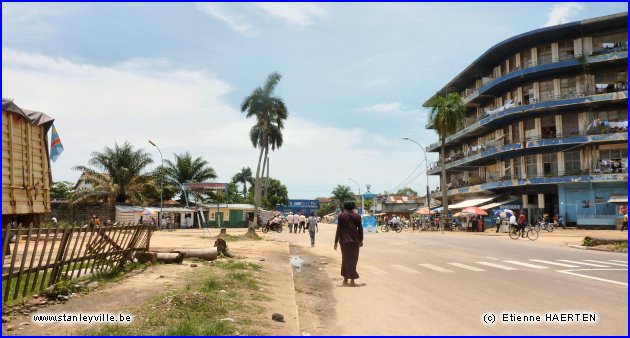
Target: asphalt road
x=429 y=283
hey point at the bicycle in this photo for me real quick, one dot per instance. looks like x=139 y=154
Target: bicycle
x=516 y=232
x=542 y=225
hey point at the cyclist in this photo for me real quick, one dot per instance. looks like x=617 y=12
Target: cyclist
x=513 y=221
x=522 y=222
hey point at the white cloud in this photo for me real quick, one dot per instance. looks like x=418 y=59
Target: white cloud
x=381 y=108
x=298 y=15
x=186 y=110
x=234 y=21
x=562 y=13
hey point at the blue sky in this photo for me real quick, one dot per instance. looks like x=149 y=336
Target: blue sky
x=354 y=78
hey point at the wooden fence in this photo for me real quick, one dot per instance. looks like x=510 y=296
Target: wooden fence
x=41 y=257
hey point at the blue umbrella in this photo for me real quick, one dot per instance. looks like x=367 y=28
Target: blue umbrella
x=505 y=213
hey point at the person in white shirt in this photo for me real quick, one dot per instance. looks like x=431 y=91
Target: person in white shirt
x=302 y=223
x=296 y=221
x=54 y=221
x=290 y=222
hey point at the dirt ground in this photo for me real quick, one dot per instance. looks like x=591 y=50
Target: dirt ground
x=123 y=296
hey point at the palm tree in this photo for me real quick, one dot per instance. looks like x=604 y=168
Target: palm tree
x=270 y=112
x=275 y=142
x=185 y=169
x=119 y=174
x=447 y=115
x=244 y=176
x=341 y=194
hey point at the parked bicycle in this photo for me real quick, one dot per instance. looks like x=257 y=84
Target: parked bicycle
x=528 y=230
x=544 y=225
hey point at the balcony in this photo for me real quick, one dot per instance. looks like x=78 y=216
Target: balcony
x=497 y=115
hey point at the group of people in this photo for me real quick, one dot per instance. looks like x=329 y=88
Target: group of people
x=297 y=222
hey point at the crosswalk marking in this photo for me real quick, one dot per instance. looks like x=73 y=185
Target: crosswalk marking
x=404 y=268
x=554 y=263
x=533 y=266
x=467 y=267
x=582 y=263
x=609 y=263
x=498 y=266
x=434 y=267
x=614 y=260
x=373 y=270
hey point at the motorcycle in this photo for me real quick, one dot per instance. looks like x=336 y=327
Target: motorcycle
x=544 y=225
x=271 y=226
x=391 y=226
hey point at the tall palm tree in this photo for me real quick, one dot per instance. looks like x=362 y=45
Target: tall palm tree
x=447 y=115
x=185 y=169
x=341 y=194
x=270 y=112
x=244 y=176
x=123 y=169
x=275 y=142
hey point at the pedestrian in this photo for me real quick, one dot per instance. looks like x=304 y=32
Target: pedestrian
x=290 y=221
x=302 y=223
x=296 y=221
x=312 y=228
x=97 y=221
x=498 y=223
x=480 y=224
x=350 y=236
x=92 y=222
x=522 y=221
x=54 y=221
x=625 y=221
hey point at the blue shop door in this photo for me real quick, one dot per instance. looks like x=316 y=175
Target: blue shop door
x=573 y=201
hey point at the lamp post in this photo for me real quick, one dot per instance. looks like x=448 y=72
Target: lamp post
x=359 y=186
x=426 y=162
x=161 y=184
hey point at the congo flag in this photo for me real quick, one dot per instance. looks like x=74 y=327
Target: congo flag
x=56 y=148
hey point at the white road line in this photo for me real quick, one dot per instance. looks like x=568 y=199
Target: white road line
x=372 y=269
x=435 y=267
x=571 y=272
x=404 y=268
x=467 y=267
x=582 y=263
x=533 y=266
x=614 y=260
x=498 y=266
x=608 y=263
x=554 y=263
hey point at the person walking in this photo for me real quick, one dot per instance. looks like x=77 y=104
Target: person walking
x=350 y=236
x=498 y=223
x=624 y=225
x=312 y=228
x=296 y=221
x=54 y=221
x=302 y=223
x=290 y=222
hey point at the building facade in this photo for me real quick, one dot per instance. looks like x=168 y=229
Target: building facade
x=296 y=206
x=547 y=121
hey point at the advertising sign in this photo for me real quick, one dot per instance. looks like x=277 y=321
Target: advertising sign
x=369 y=224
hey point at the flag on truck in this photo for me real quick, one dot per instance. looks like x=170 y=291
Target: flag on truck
x=56 y=148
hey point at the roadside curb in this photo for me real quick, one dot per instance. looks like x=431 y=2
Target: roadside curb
x=582 y=247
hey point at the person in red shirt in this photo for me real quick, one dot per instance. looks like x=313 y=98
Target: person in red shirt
x=522 y=222
x=350 y=236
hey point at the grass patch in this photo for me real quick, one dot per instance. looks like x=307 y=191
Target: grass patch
x=217 y=300
x=620 y=247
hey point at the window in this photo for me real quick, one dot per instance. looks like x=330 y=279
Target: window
x=515 y=135
x=517 y=167
x=526 y=58
x=532 y=168
x=507 y=169
x=544 y=54
x=528 y=93
x=550 y=164
x=567 y=88
x=548 y=126
x=565 y=50
x=570 y=125
x=572 y=163
x=613 y=154
x=612 y=115
x=546 y=90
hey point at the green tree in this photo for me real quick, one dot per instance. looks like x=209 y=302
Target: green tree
x=244 y=177
x=368 y=205
x=406 y=192
x=447 y=115
x=185 y=169
x=276 y=194
x=270 y=113
x=326 y=209
x=61 y=190
x=233 y=195
x=118 y=175
x=341 y=194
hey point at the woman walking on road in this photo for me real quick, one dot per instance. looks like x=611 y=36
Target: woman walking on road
x=312 y=228
x=350 y=236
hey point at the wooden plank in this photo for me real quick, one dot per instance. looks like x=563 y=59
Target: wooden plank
x=41 y=259
x=7 y=288
x=76 y=242
x=45 y=283
x=62 y=251
x=85 y=252
x=6 y=248
x=30 y=266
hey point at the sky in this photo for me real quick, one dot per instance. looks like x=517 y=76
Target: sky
x=354 y=77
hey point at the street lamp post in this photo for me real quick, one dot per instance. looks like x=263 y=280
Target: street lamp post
x=161 y=184
x=426 y=162
x=362 y=202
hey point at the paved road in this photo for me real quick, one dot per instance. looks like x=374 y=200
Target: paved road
x=437 y=284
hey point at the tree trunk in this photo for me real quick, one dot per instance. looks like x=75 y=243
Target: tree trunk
x=443 y=180
x=244 y=188
x=267 y=166
x=256 y=193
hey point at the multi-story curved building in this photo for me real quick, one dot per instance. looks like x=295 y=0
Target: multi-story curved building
x=547 y=124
